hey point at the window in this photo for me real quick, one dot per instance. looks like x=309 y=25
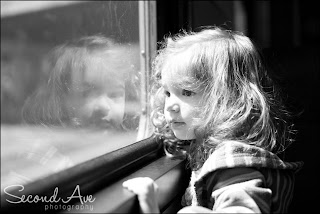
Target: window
x=74 y=82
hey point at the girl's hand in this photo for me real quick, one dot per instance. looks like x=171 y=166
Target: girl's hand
x=146 y=190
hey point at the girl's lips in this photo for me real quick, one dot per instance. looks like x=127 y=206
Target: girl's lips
x=102 y=123
x=176 y=125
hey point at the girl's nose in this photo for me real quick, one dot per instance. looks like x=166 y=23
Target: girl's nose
x=172 y=105
x=102 y=105
x=175 y=108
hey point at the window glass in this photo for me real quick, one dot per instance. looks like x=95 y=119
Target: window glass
x=70 y=84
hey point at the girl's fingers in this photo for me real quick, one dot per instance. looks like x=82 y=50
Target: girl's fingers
x=146 y=190
x=141 y=185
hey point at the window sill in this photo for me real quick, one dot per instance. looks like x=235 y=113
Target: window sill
x=90 y=177
x=169 y=174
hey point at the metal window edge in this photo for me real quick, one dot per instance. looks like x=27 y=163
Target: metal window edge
x=148 y=48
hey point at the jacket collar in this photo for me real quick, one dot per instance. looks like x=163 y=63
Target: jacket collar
x=231 y=154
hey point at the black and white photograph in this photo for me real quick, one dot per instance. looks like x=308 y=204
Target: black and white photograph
x=153 y=106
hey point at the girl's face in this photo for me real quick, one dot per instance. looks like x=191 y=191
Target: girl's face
x=181 y=106
x=98 y=98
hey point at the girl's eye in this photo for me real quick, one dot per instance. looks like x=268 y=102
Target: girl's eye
x=187 y=93
x=167 y=93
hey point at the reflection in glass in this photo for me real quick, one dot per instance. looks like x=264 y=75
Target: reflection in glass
x=86 y=85
x=70 y=81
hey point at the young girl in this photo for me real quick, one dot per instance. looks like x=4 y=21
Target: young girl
x=213 y=90
x=88 y=82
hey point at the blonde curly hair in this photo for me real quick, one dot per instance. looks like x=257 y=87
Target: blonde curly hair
x=240 y=102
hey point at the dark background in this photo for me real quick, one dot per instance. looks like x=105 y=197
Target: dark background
x=288 y=32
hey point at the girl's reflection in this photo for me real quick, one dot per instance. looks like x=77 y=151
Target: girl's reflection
x=89 y=82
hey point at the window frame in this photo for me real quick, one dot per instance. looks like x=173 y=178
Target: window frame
x=148 y=48
x=90 y=175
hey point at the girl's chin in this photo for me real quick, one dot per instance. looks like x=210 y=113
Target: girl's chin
x=184 y=137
